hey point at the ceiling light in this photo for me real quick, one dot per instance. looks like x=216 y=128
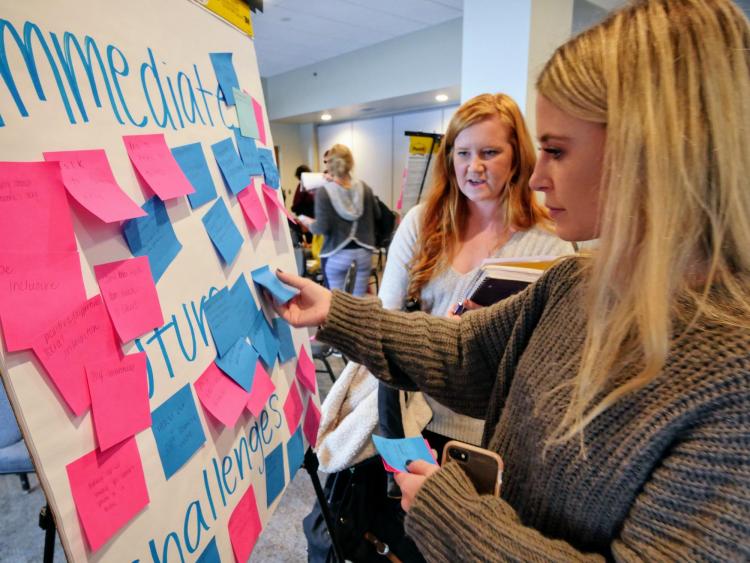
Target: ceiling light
x=326 y=117
x=441 y=98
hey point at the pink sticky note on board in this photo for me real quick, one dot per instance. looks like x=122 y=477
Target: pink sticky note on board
x=80 y=337
x=108 y=489
x=34 y=211
x=293 y=408
x=312 y=422
x=305 y=370
x=220 y=396
x=252 y=208
x=36 y=288
x=272 y=200
x=129 y=293
x=244 y=526
x=258 y=109
x=119 y=398
x=154 y=162
x=88 y=177
x=261 y=390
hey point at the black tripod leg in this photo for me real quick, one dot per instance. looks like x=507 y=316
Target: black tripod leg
x=47 y=524
x=311 y=465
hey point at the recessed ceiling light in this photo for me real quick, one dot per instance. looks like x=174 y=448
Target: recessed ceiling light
x=441 y=98
x=326 y=117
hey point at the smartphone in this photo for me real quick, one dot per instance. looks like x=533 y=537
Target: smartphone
x=483 y=467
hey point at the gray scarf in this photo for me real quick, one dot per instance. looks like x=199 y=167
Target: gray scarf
x=349 y=203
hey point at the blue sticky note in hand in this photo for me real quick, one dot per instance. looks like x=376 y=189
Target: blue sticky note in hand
x=244 y=304
x=193 y=163
x=233 y=171
x=239 y=363
x=153 y=236
x=223 y=232
x=275 y=474
x=248 y=153
x=280 y=291
x=286 y=342
x=397 y=451
x=295 y=452
x=264 y=341
x=270 y=172
x=177 y=430
x=223 y=321
x=225 y=74
x=210 y=554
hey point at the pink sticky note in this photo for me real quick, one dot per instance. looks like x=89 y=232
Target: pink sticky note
x=108 y=489
x=312 y=422
x=154 y=162
x=89 y=179
x=81 y=337
x=35 y=289
x=220 y=396
x=252 y=208
x=261 y=390
x=119 y=398
x=293 y=408
x=129 y=293
x=272 y=200
x=244 y=526
x=258 y=109
x=305 y=370
x=34 y=211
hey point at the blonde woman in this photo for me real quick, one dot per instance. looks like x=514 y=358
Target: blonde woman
x=617 y=388
x=479 y=206
x=345 y=214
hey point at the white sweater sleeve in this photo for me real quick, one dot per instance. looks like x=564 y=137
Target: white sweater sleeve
x=396 y=275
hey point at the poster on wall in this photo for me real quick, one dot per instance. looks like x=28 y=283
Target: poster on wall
x=160 y=397
x=417 y=174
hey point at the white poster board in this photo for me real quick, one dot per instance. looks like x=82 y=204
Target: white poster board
x=148 y=71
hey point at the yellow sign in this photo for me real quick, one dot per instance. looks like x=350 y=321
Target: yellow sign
x=234 y=12
x=421 y=145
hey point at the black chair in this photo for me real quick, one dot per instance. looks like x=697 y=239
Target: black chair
x=322 y=351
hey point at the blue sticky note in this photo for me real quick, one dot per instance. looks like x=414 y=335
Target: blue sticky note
x=245 y=114
x=177 y=430
x=264 y=341
x=239 y=363
x=223 y=321
x=225 y=74
x=280 y=291
x=153 y=236
x=193 y=163
x=286 y=342
x=275 y=474
x=223 y=232
x=244 y=304
x=232 y=169
x=295 y=452
x=248 y=153
x=397 y=451
x=210 y=554
x=270 y=172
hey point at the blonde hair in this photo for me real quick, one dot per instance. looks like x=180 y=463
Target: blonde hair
x=446 y=209
x=671 y=81
x=340 y=161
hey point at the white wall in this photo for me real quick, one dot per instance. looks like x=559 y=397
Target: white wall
x=426 y=60
x=380 y=147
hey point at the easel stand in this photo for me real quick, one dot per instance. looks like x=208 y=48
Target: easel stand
x=47 y=523
x=311 y=466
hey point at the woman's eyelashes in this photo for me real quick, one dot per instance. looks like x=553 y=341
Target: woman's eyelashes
x=485 y=153
x=554 y=152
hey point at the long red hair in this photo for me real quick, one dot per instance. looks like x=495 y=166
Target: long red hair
x=445 y=208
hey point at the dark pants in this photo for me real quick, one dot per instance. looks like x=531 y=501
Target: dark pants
x=389 y=412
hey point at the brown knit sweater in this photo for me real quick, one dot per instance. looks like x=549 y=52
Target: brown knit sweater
x=667 y=473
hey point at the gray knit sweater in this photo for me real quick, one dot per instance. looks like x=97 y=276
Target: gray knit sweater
x=337 y=230
x=667 y=475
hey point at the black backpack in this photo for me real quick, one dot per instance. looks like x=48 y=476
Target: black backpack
x=384 y=226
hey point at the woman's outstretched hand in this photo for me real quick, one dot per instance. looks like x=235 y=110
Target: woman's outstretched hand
x=310 y=307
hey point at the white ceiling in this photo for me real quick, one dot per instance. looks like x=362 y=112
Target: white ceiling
x=293 y=33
